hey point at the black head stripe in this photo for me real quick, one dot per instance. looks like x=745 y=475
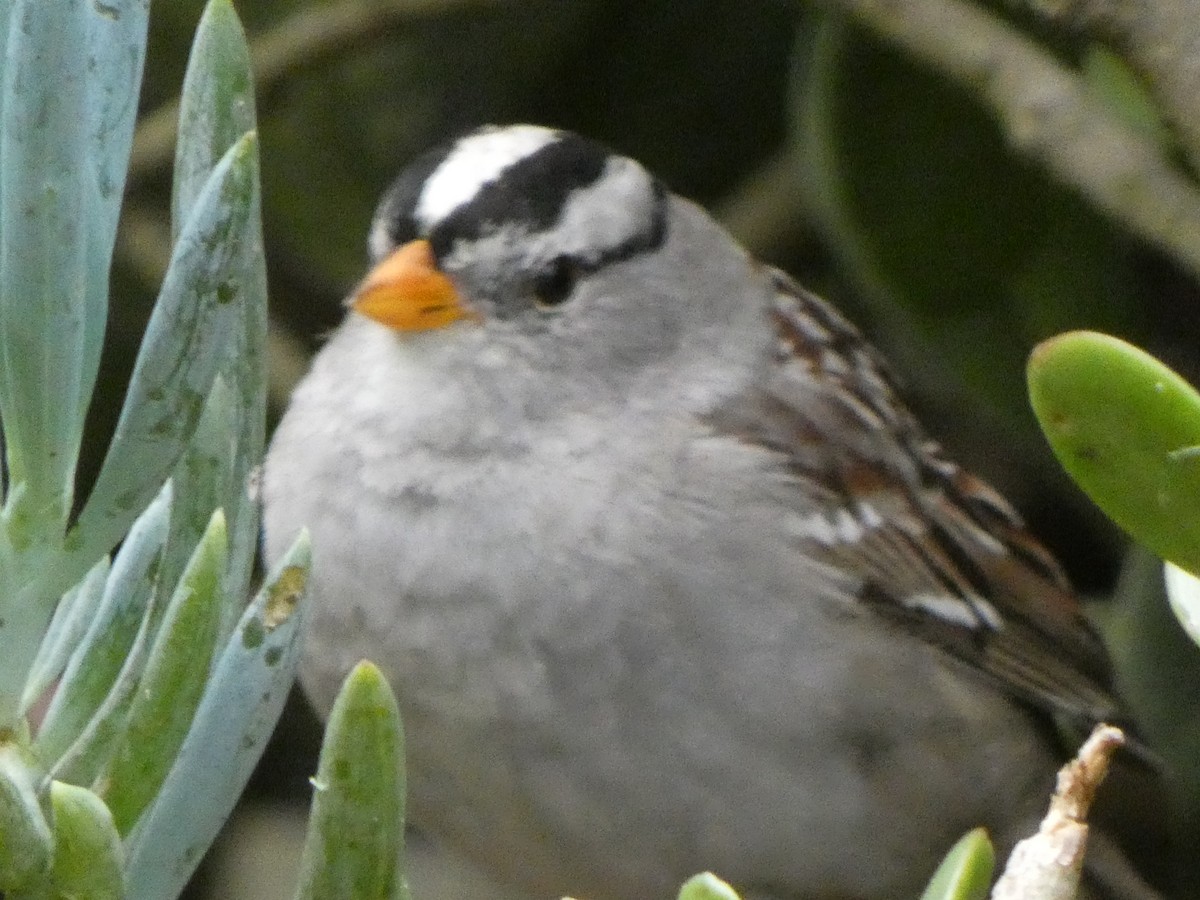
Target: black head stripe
x=531 y=193
x=399 y=205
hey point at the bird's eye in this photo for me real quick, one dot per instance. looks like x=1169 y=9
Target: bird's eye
x=555 y=284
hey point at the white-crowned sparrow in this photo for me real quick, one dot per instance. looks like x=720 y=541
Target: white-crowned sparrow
x=666 y=576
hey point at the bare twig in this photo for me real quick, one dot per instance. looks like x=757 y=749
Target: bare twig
x=1159 y=40
x=1047 y=866
x=1048 y=114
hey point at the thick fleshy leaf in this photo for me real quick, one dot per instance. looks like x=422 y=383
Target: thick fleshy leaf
x=185 y=341
x=92 y=749
x=966 y=872
x=25 y=615
x=27 y=845
x=1127 y=429
x=706 y=886
x=69 y=77
x=355 y=841
x=216 y=108
x=75 y=613
x=201 y=479
x=246 y=372
x=45 y=183
x=116 y=52
x=87 y=849
x=105 y=647
x=172 y=684
x=6 y=8
x=241 y=704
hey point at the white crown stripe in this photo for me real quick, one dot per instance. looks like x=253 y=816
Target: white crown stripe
x=477 y=160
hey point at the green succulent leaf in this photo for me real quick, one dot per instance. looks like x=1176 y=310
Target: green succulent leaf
x=966 y=871
x=1127 y=429
x=242 y=702
x=706 y=886
x=27 y=846
x=107 y=646
x=355 y=837
x=87 y=849
x=186 y=339
x=172 y=684
x=201 y=481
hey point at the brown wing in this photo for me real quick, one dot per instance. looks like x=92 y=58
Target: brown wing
x=941 y=553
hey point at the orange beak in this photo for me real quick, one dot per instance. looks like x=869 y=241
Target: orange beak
x=406 y=291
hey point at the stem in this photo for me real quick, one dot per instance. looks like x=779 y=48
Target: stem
x=1048 y=114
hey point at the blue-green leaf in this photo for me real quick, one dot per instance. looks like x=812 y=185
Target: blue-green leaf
x=106 y=647
x=74 y=614
x=6 y=8
x=241 y=704
x=92 y=748
x=116 y=51
x=44 y=190
x=216 y=108
x=1157 y=666
x=185 y=341
x=246 y=372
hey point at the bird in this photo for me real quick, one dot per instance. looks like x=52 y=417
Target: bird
x=664 y=572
